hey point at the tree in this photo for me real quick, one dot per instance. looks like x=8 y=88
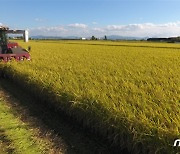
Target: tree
x=105 y=37
x=93 y=38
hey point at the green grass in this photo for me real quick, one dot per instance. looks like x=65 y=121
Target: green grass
x=17 y=136
x=128 y=92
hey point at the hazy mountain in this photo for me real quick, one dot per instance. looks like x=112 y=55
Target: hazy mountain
x=54 y=37
x=117 y=37
x=110 y=37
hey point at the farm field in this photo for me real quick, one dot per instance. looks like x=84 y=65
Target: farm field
x=129 y=92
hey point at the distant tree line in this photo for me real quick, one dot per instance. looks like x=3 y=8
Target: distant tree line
x=170 y=39
x=95 y=38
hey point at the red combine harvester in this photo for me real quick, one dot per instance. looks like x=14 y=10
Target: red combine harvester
x=10 y=50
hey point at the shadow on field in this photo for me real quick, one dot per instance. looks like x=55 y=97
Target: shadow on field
x=61 y=130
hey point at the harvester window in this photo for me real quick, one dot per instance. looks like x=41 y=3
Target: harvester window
x=3 y=38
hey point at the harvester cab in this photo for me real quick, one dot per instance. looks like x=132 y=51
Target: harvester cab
x=10 y=50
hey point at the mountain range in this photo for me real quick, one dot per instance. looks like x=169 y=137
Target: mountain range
x=110 y=37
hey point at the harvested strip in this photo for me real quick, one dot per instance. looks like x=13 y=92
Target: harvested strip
x=16 y=136
x=4 y=143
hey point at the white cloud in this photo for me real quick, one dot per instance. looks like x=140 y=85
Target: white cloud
x=77 y=25
x=98 y=29
x=146 y=29
x=114 y=27
x=130 y=27
x=39 y=19
x=48 y=31
x=94 y=23
x=57 y=29
x=136 y=30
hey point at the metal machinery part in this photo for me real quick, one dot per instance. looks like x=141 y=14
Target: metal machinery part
x=10 y=50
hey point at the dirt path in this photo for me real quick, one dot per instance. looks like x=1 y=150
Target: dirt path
x=58 y=131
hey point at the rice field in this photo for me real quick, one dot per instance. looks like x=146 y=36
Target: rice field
x=129 y=92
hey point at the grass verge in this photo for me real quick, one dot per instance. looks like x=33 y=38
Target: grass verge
x=17 y=136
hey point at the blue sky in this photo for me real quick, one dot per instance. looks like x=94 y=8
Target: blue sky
x=93 y=17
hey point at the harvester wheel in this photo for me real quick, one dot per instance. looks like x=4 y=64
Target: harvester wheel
x=8 y=58
x=5 y=59
x=18 y=58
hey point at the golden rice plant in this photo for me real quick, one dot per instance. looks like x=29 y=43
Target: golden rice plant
x=128 y=92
